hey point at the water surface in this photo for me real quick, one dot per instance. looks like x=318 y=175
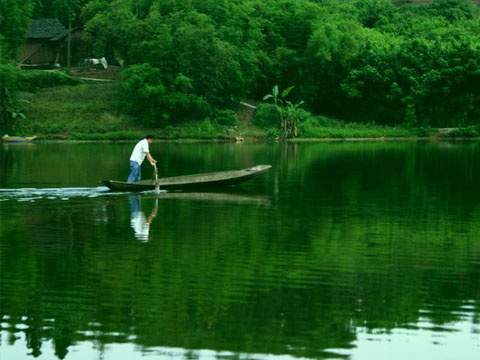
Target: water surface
x=342 y=250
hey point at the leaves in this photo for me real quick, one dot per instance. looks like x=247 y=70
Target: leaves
x=286 y=91
x=14 y=21
x=359 y=60
x=275 y=91
x=286 y=111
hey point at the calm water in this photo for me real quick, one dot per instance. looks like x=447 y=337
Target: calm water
x=341 y=251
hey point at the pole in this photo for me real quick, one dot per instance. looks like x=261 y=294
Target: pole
x=157 y=185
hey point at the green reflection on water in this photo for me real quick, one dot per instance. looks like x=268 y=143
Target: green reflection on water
x=335 y=237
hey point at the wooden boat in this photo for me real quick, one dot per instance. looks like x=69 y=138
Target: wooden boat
x=17 y=139
x=221 y=178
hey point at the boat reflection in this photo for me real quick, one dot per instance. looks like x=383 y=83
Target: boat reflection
x=141 y=223
x=7 y=145
x=230 y=197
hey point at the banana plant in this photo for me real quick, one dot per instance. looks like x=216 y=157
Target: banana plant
x=287 y=112
x=291 y=111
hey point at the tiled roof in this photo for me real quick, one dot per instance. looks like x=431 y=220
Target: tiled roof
x=46 y=29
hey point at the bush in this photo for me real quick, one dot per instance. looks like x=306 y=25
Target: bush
x=10 y=108
x=266 y=115
x=156 y=102
x=226 y=117
x=453 y=10
x=466 y=132
x=181 y=106
x=424 y=132
x=9 y=75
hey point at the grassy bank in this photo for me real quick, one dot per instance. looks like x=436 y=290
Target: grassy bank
x=70 y=111
x=94 y=112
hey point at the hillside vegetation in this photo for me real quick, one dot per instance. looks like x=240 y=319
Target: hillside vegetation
x=362 y=61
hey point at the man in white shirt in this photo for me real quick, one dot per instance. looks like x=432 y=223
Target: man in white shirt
x=138 y=155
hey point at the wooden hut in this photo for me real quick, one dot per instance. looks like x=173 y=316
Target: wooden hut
x=44 y=41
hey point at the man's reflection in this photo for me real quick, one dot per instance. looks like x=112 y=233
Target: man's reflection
x=138 y=221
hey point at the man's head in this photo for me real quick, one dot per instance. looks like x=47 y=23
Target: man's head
x=149 y=138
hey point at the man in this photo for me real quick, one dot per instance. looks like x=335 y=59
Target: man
x=138 y=155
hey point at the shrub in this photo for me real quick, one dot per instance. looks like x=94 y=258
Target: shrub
x=226 y=117
x=180 y=106
x=453 y=10
x=9 y=75
x=265 y=115
x=424 y=132
x=10 y=107
x=156 y=102
x=466 y=132
x=307 y=128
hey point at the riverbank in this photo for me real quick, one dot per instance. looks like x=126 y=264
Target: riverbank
x=94 y=112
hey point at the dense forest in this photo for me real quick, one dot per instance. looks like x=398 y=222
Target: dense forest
x=369 y=61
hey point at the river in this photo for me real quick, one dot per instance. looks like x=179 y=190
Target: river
x=363 y=250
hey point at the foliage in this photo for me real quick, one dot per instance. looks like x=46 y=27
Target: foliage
x=156 y=102
x=33 y=79
x=11 y=108
x=9 y=76
x=16 y=79
x=226 y=117
x=60 y=9
x=453 y=10
x=287 y=112
x=466 y=132
x=93 y=112
x=366 y=61
x=12 y=80
x=14 y=20
x=112 y=136
x=265 y=115
x=86 y=108
x=10 y=105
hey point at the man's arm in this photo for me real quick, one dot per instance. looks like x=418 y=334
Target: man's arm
x=151 y=159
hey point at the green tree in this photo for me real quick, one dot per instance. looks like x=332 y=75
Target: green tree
x=14 y=21
x=359 y=60
x=454 y=10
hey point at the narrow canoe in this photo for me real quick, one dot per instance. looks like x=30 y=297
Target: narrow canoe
x=221 y=178
x=7 y=138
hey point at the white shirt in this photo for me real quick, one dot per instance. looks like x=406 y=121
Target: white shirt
x=140 y=151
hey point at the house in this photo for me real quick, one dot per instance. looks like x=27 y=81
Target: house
x=44 y=40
